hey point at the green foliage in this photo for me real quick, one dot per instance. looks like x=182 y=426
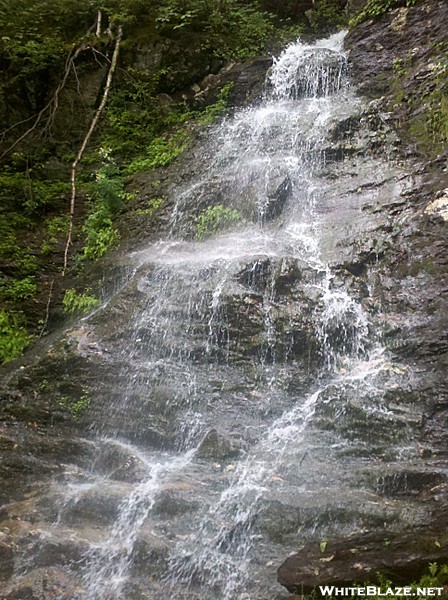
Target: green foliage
x=160 y=153
x=55 y=230
x=326 y=15
x=24 y=190
x=250 y=27
x=17 y=289
x=133 y=115
x=76 y=407
x=18 y=258
x=151 y=207
x=106 y=200
x=215 y=218
x=436 y=576
x=375 y=8
x=79 y=303
x=100 y=234
x=13 y=335
x=218 y=108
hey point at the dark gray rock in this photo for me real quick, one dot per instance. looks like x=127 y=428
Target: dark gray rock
x=216 y=446
x=6 y=561
x=277 y=199
x=402 y=558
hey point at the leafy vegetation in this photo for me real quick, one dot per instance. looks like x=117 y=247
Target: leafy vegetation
x=17 y=257
x=436 y=575
x=28 y=192
x=375 y=8
x=55 y=232
x=17 y=289
x=151 y=207
x=327 y=15
x=76 y=407
x=215 y=218
x=73 y=302
x=142 y=128
x=159 y=153
x=13 y=335
x=218 y=108
x=250 y=26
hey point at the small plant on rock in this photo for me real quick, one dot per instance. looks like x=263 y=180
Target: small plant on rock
x=79 y=303
x=215 y=218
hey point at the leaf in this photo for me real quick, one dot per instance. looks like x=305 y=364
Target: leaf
x=433 y=568
x=323 y=546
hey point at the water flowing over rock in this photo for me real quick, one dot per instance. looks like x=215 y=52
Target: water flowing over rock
x=249 y=393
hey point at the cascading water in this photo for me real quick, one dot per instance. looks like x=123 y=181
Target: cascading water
x=252 y=374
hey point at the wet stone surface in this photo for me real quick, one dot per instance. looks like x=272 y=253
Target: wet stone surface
x=252 y=393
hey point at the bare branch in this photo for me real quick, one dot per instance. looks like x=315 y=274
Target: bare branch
x=52 y=105
x=98 y=23
x=47 y=312
x=86 y=140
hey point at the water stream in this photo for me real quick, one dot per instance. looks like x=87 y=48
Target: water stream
x=257 y=377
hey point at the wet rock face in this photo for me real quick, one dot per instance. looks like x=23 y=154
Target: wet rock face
x=217 y=447
x=359 y=558
x=207 y=344
x=393 y=54
x=320 y=77
x=409 y=35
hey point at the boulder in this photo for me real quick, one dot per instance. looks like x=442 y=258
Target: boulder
x=216 y=446
x=277 y=199
x=402 y=558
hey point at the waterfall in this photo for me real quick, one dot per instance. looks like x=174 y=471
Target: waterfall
x=253 y=393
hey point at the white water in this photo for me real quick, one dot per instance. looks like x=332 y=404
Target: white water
x=183 y=341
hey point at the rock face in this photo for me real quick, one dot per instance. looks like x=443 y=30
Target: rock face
x=415 y=265
x=280 y=382
x=360 y=558
x=407 y=266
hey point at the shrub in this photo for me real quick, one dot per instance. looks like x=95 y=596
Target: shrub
x=13 y=335
x=79 y=303
x=18 y=289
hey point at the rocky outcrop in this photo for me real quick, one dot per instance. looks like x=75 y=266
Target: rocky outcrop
x=400 y=52
x=399 y=558
x=392 y=59
x=233 y=343
x=400 y=59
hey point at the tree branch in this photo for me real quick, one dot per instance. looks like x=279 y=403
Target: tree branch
x=52 y=105
x=86 y=140
x=47 y=311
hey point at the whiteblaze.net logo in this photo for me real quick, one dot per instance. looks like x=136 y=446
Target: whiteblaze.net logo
x=373 y=590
